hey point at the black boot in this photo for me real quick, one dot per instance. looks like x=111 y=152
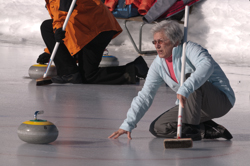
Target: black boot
x=71 y=78
x=141 y=67
x=191 y=131
x=214 y=130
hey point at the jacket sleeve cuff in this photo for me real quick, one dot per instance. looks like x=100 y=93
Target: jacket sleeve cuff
x=183 y=91
x=127 y=127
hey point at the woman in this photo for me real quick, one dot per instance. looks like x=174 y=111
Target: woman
x=205 y=94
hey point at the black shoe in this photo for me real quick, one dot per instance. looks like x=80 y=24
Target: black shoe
x=214 y=130
x=191 y=131
x=72 y=78
x=141 y=67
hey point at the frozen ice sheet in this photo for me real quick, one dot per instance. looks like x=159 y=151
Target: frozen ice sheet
x=87 y=114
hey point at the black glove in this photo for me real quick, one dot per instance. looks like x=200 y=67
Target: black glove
x=59 y=35
x=43 y=58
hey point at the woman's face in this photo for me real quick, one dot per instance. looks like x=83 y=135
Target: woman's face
x=163 y=45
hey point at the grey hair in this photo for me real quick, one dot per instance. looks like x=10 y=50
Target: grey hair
x=171 y=29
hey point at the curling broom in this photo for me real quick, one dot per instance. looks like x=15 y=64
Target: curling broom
x=181 y=142
x=47 y=80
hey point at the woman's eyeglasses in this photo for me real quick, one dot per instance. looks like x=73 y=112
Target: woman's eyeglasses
x=160 y=41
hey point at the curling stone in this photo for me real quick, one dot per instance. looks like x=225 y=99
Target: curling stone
x=108 y=60
x=37 y=131
x=37 y=71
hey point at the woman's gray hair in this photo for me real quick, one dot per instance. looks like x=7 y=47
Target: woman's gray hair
x=171 y=29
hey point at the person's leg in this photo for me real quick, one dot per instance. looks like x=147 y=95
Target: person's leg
x=64 y=62
x=91 y=57
x=205 y=103
x=92 y=74
x=166 y=126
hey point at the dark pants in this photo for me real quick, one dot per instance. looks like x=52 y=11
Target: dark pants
x=205 y=103
x=89 y=59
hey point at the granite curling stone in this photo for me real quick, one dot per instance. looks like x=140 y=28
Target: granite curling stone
x=37 y=131
x=38 y=70
x=108 y=60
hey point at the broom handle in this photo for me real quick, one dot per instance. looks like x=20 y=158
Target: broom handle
x=179 y=128
x=58 y=43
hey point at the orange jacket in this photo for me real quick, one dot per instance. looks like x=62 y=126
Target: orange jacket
x=88 y=19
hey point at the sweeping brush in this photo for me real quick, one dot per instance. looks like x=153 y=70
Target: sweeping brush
x=47 y=80
x=43 y=81
x=181 y=142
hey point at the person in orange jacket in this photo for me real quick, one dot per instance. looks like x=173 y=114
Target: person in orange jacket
x=90 y=29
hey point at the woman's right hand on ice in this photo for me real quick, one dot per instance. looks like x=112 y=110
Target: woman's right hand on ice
x=120 y=132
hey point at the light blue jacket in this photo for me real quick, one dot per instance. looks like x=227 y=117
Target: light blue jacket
x=198 y=62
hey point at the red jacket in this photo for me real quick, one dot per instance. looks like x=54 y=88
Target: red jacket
x=142 y=5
